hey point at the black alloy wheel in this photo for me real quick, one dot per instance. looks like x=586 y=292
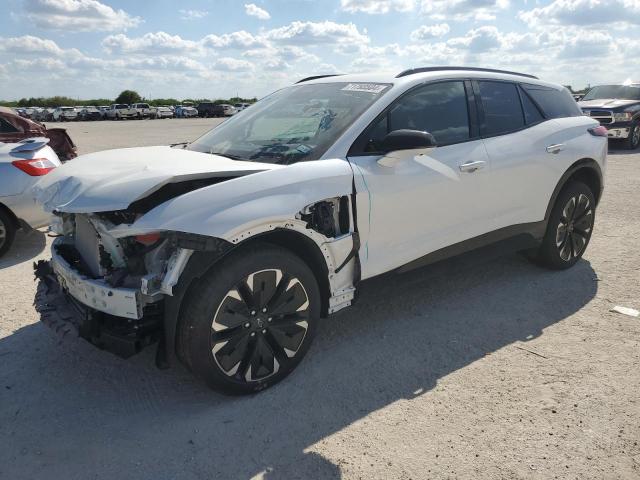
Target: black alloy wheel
x=248 y=322
x=569 y=228
x=574 y=227
x=260 y=325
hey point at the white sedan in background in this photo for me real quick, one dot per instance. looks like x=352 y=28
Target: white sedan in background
x=22 y=164
x=164 y=112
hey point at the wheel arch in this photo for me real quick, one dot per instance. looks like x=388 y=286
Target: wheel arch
x=11 y=215
x=307 y=250
x=202 y=262
x=585 y=170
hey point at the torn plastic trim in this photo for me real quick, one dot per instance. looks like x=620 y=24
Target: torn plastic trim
x=334 y=251
x=175 y=267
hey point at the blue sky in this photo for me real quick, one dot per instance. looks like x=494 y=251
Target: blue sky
x=220 y=48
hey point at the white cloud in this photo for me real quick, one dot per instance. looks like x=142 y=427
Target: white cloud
x=29 y=44
x=193 y=14
x=78 y=15
x=253 y=10
x=316 y=33
x=430 y=31
x=479 y=40
x=584 y=13
x=230 y=64
x=239 y=39
x=149 y=43
x=461 y=10
x=377 y=6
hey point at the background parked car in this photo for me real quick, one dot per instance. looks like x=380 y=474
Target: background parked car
x=223 y=110
x=205 y=109
x=144 y=110
x=185 y=111
x=22 y=164
x=64 y=114
x=617 y=108
x=164 y=112
x=120 y=111
x=241 y=106
x=103 y=111
x=14 y=128
x=90 y=113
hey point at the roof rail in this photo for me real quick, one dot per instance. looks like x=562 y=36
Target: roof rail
x=315 y=77
x=411 y=71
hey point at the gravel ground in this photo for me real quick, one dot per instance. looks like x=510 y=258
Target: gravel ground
x=492 y=370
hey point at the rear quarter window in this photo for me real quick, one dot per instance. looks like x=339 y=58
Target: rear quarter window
x=554 y=103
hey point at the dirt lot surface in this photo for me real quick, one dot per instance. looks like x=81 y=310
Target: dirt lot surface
x=493 y=370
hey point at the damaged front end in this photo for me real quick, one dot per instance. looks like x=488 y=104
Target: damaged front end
x=134 y=235
x=110 y=290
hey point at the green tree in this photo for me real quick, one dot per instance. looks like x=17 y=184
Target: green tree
x=128 y=97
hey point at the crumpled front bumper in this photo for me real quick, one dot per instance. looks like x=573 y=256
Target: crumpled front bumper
x=65 y=314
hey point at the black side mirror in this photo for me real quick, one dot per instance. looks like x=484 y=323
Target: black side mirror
x=407 y=140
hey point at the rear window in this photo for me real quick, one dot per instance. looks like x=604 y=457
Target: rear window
x=554 y=103
x=502 y=109
x=6 y=127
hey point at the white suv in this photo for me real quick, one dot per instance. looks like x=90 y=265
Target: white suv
x=230 y=249
x=64 y=114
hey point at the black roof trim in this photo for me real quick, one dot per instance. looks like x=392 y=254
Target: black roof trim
x=411 y=71
x=315 y=77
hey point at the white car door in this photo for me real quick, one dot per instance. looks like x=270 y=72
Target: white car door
x=523 y=147
x=422 y=203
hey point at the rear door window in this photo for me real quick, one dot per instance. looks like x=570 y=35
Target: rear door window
x=502 y=110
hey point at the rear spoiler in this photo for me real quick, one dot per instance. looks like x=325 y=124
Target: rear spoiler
x=30 y=145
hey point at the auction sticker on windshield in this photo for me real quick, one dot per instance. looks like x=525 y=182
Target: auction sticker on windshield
x=366 y=87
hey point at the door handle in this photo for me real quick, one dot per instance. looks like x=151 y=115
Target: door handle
x=471 y=167
x=557 y=148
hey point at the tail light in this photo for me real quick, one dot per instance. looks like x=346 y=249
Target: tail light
x=599 y=131
x=35 y=167
x=148 y=238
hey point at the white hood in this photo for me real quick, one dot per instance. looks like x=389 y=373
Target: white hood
x=113 y=179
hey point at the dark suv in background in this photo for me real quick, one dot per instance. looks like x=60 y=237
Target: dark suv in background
x=617 y=107
x=205 y=109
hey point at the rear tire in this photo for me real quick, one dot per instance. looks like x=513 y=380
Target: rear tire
x=7 y=232
x=569 y=229
x=249 y=322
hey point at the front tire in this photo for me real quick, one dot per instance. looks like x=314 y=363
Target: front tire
x=249 y=322
x=569 y=229
x=633 y=141
x=7 y=232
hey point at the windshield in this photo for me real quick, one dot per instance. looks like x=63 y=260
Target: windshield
x=620 y=92
x=293 y=124
x=121 y=105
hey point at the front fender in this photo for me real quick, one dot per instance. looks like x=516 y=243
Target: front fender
x=230 y=210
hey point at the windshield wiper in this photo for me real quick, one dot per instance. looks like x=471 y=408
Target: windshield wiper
x=179 y=143
x=226 y=155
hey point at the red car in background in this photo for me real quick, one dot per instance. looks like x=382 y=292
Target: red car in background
x=14 y=128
